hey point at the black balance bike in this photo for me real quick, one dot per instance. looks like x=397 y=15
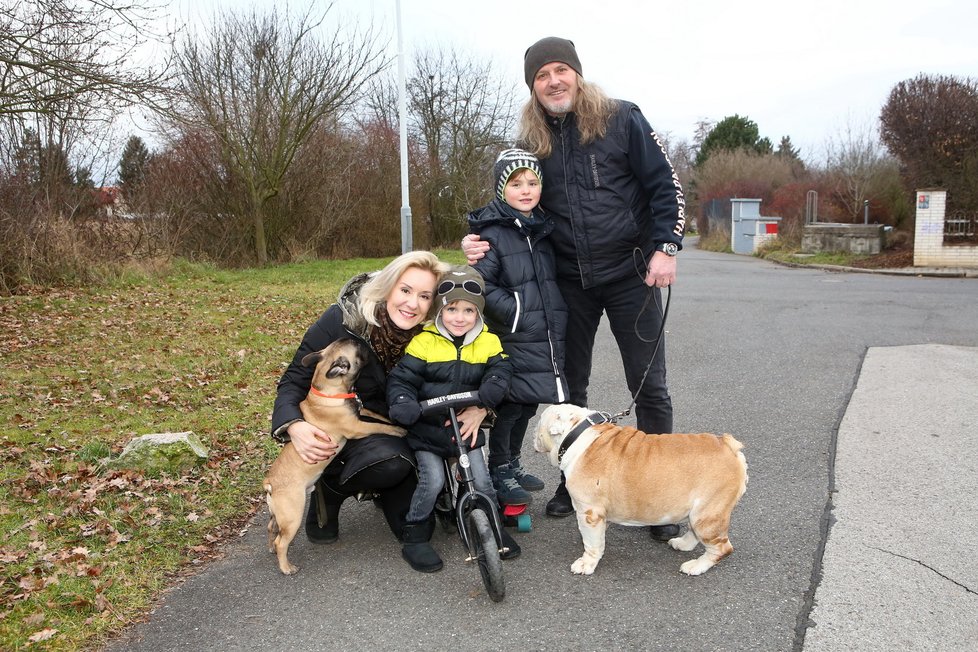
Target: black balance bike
x=472 y=512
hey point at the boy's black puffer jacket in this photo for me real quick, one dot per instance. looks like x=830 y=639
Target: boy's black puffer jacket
x=524 y=307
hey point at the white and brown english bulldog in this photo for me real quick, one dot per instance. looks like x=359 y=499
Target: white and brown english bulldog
x=619 y=474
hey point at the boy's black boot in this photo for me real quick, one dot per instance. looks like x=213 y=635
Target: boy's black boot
x=415 y=547
x=560 y=504
x=508 y=490
x=322 y=519
x=527 y=481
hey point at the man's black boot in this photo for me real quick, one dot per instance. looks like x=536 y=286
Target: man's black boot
x=560 y=504
x=663 y=532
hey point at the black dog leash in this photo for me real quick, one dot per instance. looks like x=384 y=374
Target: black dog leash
x=649 y=298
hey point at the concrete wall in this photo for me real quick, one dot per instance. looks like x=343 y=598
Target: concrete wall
x=851 y=238
x=929 y=249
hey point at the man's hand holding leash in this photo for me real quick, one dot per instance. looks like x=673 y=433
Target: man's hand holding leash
x=662 y=270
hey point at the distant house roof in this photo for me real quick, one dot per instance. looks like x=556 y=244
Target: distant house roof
x=107 y=195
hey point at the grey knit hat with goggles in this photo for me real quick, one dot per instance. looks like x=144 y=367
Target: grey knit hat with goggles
x=462 y=282
x=508 y=163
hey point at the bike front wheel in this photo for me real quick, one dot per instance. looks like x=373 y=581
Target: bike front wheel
x=485 y=551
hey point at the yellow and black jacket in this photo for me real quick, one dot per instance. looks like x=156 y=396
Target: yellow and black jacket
x=435 y=364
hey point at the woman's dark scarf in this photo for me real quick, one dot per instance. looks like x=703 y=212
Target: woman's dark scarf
x=389 y=341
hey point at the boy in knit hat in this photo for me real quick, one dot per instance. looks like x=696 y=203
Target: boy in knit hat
x=524 y=307
x=455 y=353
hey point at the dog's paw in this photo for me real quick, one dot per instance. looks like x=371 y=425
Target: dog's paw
x=291 y=569
x=696 y=566
x=685 y=543
x=583 y=567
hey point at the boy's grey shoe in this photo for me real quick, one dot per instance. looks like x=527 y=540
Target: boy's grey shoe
x=508 y=490
x=525 y=480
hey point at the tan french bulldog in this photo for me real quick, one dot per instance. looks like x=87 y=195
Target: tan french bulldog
x=331 y=406
x=622 y=475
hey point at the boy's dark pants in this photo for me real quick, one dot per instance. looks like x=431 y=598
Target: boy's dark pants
x=506 y=436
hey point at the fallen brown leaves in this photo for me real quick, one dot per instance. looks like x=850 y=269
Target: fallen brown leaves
x=889 y=259
x=85 y=549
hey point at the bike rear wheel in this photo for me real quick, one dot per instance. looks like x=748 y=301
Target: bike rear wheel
x=486 y=554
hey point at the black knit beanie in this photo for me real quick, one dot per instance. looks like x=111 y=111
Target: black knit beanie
x=509 y=162
x=546 y=50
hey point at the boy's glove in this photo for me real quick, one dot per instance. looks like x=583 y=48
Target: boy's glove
x=492 y=392
x=405 y=411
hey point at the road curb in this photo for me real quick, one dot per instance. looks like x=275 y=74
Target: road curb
x=950 y=272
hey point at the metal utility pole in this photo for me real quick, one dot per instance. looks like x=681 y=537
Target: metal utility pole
x=407 y=243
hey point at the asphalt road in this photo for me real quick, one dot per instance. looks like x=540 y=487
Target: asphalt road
x=769 y=353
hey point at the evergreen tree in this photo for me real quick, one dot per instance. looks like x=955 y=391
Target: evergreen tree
x=733 y=133
x=133 y=165
x=787 y=150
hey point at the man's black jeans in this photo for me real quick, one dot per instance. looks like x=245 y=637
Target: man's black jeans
x=622 y=301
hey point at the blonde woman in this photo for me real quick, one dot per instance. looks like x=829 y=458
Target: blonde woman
x=384 y=310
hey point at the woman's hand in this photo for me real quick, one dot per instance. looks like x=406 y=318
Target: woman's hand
x=312 y=444
x=474 y=248
x=469 y=421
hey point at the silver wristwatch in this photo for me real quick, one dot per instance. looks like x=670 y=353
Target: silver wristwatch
x=668 y=248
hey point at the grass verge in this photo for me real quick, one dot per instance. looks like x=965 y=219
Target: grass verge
x=87 y=550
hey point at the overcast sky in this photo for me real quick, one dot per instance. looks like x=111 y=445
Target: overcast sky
x=802 y=70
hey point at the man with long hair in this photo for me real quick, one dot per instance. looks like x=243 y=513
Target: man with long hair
x=619 y=212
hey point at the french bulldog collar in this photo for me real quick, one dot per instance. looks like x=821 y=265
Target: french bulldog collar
x=593 y=419
x=338 y=397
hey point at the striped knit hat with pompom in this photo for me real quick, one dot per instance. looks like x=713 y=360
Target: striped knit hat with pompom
x=509 y=162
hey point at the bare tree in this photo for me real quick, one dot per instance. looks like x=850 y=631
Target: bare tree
x=682 y=155
x=261 y=85
x=463 y=114
x=67 y=69
x=82 y=51
x=380 y=105
x=856 y=162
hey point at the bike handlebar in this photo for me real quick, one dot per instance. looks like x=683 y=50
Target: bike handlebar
x=457 y=401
